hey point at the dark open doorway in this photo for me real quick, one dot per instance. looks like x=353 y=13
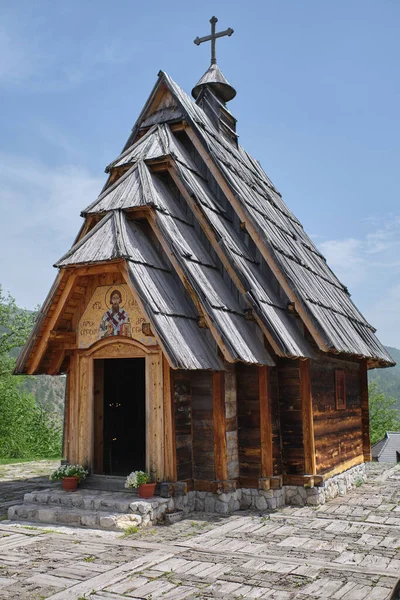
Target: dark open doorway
x=120 y=416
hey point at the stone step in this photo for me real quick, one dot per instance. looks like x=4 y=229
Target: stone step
x=84 y=499
x=75 y=517
x=91 y=508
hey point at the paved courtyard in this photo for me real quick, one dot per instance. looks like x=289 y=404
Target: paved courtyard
x=348 y=549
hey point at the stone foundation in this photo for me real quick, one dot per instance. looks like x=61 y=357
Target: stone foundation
x=116 y=510
x=254 y=499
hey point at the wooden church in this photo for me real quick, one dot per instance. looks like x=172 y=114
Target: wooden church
x=204 y=337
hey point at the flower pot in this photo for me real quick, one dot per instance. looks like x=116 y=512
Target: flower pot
x=146 y=490
x=70 y=484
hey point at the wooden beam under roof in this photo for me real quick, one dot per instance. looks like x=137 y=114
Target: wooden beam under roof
x=52 y=321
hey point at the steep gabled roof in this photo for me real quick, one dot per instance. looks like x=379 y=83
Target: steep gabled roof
x=196 y=266
x=320 y=297
x=174 y=256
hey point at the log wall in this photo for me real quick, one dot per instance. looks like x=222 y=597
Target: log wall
x=194 y=425
x=249 y=437
x=338 y=432
x=290 y=406
x=202 y=425
x=183 y=423
x=276 y=424
x=231 y=420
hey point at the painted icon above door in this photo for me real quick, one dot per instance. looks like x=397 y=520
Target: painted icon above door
x=112 y=311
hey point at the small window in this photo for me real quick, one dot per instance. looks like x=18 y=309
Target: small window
x=340 y=389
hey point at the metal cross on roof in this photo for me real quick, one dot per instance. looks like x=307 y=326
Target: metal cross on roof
x=213 y=37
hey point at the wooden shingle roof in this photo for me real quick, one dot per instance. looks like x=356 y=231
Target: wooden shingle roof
x=197 y=263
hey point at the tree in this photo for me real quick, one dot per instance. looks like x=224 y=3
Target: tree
x=383 y=415
x=26 y=430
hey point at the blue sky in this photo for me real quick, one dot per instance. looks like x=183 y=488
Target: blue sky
x=318 y=104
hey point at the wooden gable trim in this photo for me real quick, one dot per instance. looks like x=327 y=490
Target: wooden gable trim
x=267 y=255
x=51 y=323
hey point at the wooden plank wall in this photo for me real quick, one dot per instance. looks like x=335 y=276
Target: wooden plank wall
x=202 y=425
x=291 y=416
x=183 y=423
x=276 y=425
x=232 y=444
x=248 y=425
x=338 y=433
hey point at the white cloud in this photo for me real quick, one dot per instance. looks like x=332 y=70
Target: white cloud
x=19 y=61
x=370 y=267
x=40 y=219
x=27 y=61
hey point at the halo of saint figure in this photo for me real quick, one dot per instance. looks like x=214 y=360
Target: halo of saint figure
x=115 y=320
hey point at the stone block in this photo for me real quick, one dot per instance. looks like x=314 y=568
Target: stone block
x=199 y=504
x=272 y=504
x=221 y=508
x=89 y=520
x=209 y=504
x=107 y=521
x=68 y=518
x=260 y=503
x=46 y=515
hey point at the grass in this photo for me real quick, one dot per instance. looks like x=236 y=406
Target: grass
x=131 y=530
x=89 y=558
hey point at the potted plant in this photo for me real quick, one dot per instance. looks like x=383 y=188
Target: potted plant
x=70 y=476
x=142 y=482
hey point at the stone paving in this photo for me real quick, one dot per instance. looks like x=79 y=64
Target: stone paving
x=347 y=549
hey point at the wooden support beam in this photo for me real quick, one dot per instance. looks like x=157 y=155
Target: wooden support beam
x=244 y=217
x=307 y=418
x=98 y=268
x=264 y=394
x=276 y=482
x=66 y=418
x=218 y=392
x=170 y=471
x=365 y=411
x=73 y=410
x=58 y=335
x=56 y=362
x=51 y=323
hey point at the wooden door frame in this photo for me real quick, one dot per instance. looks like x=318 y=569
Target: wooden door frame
x=81 y=396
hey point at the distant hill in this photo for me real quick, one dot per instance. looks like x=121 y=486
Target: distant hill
x=388 y=379
x=49 y=392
